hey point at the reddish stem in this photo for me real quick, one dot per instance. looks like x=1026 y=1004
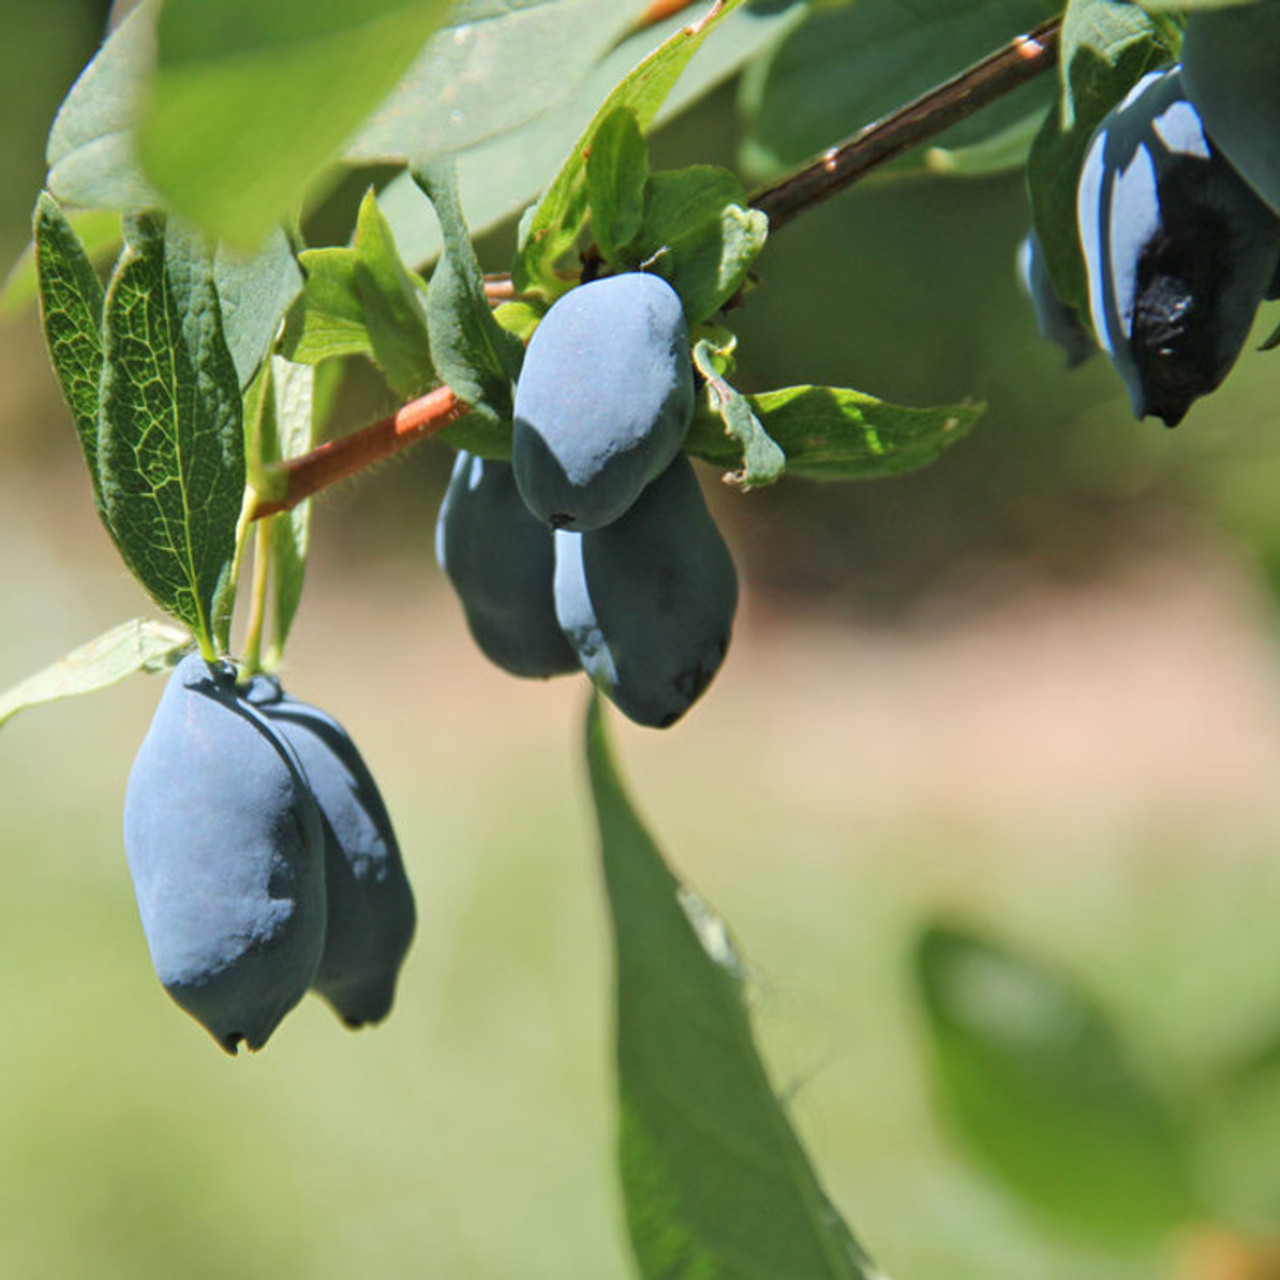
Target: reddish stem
x=338 y=459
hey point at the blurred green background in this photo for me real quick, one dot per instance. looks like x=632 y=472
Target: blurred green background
x=1033 y=688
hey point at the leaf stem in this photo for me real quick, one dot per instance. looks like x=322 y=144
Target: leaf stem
x=1008 y=68
x=337 y=459
x=258 y=598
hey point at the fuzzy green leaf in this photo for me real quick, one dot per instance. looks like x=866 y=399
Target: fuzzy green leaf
x=143 y=644
x=98 y=231
x=1106 y=47
x=327 y=319
x=763 y=460
x=616 y=172
x=171 y=449
x=715 y=1182
x=833 y=433
x=249 y=102
x=393 y=305
x=254 y=293
x=474 y=355
x=553 y=43
x=71 y=299
x=697 y=234
x=91 y=151
x=551 y=228
x=1035 y=1079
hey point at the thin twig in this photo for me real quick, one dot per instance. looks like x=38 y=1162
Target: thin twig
x=954 y=100
x=338 y=459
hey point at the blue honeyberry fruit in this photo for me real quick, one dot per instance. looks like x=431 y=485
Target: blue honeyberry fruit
x=1057 y=322
x=500 y=560
x=226 y=850
x=1230 y=58
x=604 y=400
x=371 y=915
x=1179 y=250
x=648 y=601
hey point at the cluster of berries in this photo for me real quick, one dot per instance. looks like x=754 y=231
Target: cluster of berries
x=1179 y=249
x=262 y=857
x=593 y=548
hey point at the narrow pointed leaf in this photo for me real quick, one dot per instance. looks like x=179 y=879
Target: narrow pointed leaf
x=1035 y=1080
x=392 y=303
x=143 y=644
x=171 y=450
x=71 y=298
x=616 y=172
x=834 y=433
x=473 y=354
x=715 y=1182
x=98 y=231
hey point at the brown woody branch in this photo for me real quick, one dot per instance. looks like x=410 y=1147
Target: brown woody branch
x=950 y=102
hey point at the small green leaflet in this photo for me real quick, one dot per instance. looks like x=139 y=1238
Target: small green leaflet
x=551 y=228
x=327 y=319
x=715 y=1183
x=834 y=433
x=617 y=168
x=171 y=450
x=254 y=292
x=763 y=460
x=1035 y=1079
x=71 y=299
x=249 y=102
x=288 y=428
x=1106 y=47
x=392 y=301
x=143 y=644
x=474 y=355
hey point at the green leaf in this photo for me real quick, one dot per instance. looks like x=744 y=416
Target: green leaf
x=98 y=231
x=143 y=644
x=1035 y=1079
x=1229 y=60
x=393 y=305
x=327 y=320
x=497 y=177
x=698 y=237
x=71 y=298
x=474 y=355
x=171 y=449
x=849 y=65
x=616 y=171
x=250 y=101
x=715 y=1181
x=763 y=460
x=552 y=43
x=833 y=433
x=551 y=228
x=254 y=292
x=91 y=152
x=1000 y=152
x=288 y=431
x=1106 y=47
